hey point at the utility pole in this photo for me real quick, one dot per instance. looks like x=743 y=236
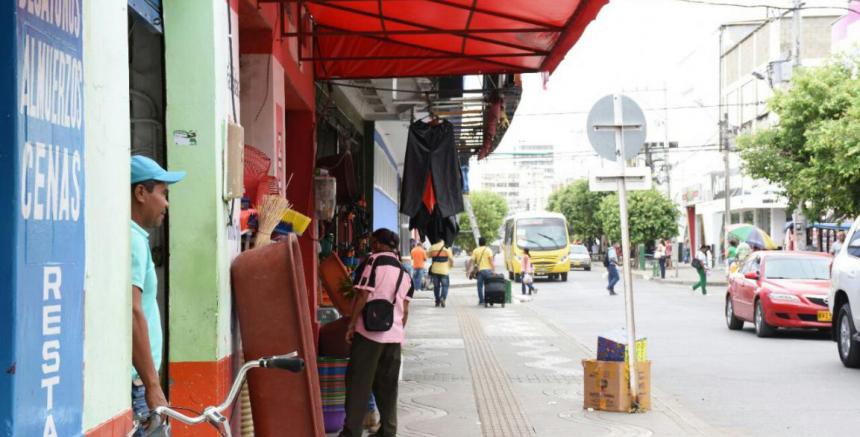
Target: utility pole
x=725 y=142
x=666 y=141
x=799 y=218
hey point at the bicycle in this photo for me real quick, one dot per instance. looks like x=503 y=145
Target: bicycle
x=213 y=414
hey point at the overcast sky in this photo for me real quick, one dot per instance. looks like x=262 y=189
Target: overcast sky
x=637 y=47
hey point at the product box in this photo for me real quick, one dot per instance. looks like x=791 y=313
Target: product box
x=613 y=347
x=606 y=386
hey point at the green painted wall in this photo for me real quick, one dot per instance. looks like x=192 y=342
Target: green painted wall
x=201 y=242
x=107 y=344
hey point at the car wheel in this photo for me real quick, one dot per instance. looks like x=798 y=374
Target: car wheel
x=564 y=277
x=588 y=269
x=849 y=350
x=762 y=329
x=732 y=322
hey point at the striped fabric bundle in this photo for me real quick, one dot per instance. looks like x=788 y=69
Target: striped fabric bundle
x=332 y=373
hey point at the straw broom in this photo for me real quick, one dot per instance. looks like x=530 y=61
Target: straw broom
x=269 y=215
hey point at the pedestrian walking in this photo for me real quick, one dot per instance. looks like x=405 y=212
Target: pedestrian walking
x=837 y=245
x=419 y=259
x=743 y=251
x=660 y=255
x=482 y=257
x=528 y=270
x=732 y=256
x=611 y=264
x=149 y=183
x=442 y=259
x=668 y=244
x=702 y=264
x=375 y=334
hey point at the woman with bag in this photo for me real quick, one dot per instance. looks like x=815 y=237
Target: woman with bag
x=660 y=256
x=528 y=270
x=702 y=264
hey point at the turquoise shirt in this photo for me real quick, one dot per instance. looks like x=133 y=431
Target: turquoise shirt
x=143 y=277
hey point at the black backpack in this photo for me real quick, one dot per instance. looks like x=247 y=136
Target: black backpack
x=606 y=260
x=696 y=263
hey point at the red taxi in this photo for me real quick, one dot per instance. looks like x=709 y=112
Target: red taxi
x=780 y=290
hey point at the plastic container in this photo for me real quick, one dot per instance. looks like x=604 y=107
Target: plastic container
x=298 y=221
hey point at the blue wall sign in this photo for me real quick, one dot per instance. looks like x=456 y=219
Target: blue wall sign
x=42 y=266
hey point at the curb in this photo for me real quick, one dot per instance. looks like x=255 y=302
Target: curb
x=647 y=277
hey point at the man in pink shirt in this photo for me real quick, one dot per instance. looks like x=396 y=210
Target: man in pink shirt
x=374 y=363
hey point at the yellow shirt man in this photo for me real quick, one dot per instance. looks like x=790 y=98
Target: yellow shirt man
x=483 y=255
x=442 y=258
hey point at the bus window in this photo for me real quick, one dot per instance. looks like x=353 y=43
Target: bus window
x=541 y=234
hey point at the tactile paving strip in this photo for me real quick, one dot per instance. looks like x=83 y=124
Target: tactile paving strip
x=498 y=408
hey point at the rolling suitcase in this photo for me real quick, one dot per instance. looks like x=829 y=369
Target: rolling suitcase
x=494 y=290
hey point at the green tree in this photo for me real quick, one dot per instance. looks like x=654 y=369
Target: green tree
x=651 y=216
x=579 y=206
x=490 y=211
x=813 y=152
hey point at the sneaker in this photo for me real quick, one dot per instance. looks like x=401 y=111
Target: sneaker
x=612 y=292
x=443 y=303
x=437 y=304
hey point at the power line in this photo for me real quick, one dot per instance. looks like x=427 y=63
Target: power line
x=659 y=108
x=763 y=5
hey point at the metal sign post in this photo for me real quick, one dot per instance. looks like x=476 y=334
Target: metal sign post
x=626 y=129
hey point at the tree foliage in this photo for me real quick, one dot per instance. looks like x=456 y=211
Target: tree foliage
x=813 y=152
x=579 y=206
x=651 y=216
x=490 y=211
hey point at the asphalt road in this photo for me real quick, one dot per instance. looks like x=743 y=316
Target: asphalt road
x=789 y=385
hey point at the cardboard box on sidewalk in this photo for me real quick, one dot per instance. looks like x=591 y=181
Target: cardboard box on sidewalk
x=606 y=386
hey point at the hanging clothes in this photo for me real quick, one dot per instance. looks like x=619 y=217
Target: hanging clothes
x=434 y=227
x=431 y=157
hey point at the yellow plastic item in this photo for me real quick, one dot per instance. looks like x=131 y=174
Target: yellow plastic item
x=298 y=220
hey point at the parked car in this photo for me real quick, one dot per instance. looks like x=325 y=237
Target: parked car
x=845 y=298
x=780 y=290
x=579 y=257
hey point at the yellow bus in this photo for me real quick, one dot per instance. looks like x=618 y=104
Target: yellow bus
x=545 y=235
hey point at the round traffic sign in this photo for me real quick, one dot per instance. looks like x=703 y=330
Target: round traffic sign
x=611 y=114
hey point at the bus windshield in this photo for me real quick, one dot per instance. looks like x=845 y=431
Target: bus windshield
x=541 y=234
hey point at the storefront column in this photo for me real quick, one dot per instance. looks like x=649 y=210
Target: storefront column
x=203 y=234
x=300 y=163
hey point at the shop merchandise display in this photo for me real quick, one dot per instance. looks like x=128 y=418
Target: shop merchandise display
x=431 y=193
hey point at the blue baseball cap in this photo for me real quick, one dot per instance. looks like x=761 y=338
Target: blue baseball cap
x=144 y=169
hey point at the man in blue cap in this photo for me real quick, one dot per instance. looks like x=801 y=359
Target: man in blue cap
x=148 y=207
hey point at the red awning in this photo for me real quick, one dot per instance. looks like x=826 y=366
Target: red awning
x=403 y=38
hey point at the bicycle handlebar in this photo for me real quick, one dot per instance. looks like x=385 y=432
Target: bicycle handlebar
x=212 y=414
x=284 y=362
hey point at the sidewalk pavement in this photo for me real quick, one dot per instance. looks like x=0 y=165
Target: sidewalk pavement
x=469 y=370
x=685 y=275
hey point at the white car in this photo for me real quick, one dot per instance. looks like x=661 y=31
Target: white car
x=844 y=298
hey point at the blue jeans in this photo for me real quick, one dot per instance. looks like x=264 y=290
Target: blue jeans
x=142 y=413
x=417 y=278
x=613 y=277
x=482 y=276
x=531 y=287
x=440 y=286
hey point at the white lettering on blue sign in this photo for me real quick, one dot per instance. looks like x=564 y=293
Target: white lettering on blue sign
x=55 y=193
x=63 y=14
x=52 y=280
x=51 y=84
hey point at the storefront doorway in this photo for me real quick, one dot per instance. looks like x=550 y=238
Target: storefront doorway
x=146 y=106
